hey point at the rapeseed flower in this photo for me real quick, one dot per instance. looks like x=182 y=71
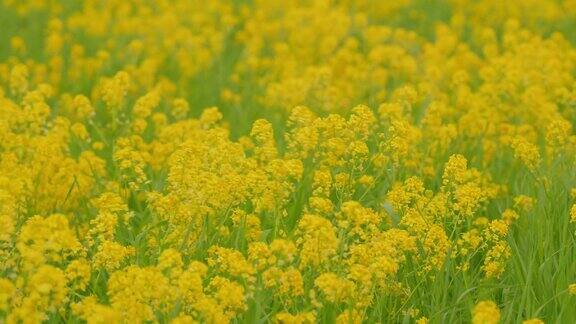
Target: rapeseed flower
x=302 y=161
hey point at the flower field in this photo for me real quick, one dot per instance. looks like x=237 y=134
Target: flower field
x=297 y=161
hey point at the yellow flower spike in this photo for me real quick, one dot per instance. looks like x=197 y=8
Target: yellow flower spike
x=533 y=321
x=317 y=240
x=301 y=318
x=572 y=289
x=115 y=90
x=111 y=254
x=486 y=312
x=358 y=158
x=19 y=80
x=334 y=288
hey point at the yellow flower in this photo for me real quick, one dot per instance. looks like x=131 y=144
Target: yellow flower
x=486 y=312
x=351 y=317
x=422 y=320
x=145 y=104
x=334 y=288
x=229 y=261
x=572 y=289
x=533 y=321
x=509 y=215
x=524 y=202
x=111 y=254
x=49 y=239
x=78 y=273
x=317 y=242
x=301 y=318
x=115 y=90
x=526 y=152
x=19 y=79
x=229 y=294
x=7 y=291
x=180 y=108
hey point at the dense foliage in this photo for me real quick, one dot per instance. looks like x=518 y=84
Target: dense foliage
x=302 y=161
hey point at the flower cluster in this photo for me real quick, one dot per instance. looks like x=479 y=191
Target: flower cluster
x=302 y=161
